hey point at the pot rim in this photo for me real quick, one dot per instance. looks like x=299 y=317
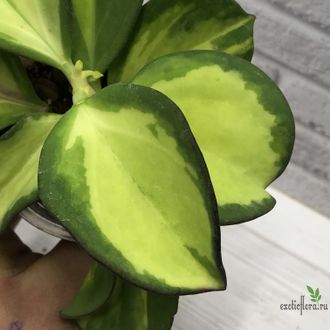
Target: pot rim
x=38 y=216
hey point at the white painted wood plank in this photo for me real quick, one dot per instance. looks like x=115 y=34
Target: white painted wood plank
x=289 y=40
x=268 y=262
x=312 y=152
x=315 y=12
x=304 y=186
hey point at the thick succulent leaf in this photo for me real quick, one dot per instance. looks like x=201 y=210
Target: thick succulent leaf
x=17 y=96
x=170 y=26
x=123 y=173
x=133 y=308
x=100 y=29
x=37 y=29
x=94 y=292
x=240 y=119
x=19 y=155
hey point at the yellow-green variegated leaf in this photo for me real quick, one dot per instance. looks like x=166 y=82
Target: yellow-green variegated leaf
x=17 y=96
x=132 y=308
x=19 y=156
x=170 y=26
x=94 y=292
x=123 y=174
x=240 y=119
x=37 y=29
x=100 y=29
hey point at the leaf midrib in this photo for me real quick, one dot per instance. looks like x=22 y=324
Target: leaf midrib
x=20 y=102
x=154 y=145
x=226 y=30
x=146 y=196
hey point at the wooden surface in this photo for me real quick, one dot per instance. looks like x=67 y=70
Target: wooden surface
x=268 y=261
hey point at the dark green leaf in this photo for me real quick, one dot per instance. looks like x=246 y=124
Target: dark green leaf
x=310 y=290
x=37 y=29
x=171 y=26
x=17 y=97
x=19 y=156
x=100 y=29
x=94 y=292
x=131 y=308
x=157 y=230
x=317 y=292
x=241 y=121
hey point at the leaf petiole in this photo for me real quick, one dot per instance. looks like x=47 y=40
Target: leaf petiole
x=84 y=82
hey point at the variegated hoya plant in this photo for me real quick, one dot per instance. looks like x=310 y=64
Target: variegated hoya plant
x=143 y=172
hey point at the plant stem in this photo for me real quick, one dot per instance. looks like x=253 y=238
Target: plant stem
x=84 y=82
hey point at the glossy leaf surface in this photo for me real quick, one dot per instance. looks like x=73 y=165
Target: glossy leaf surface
x=37 y=29
x=17 y=96
x=240 y=119
x=170 y=26
x=94 y=292
x=125 y=176
x=100 y=29
x=133 y=308
x=19 y=156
